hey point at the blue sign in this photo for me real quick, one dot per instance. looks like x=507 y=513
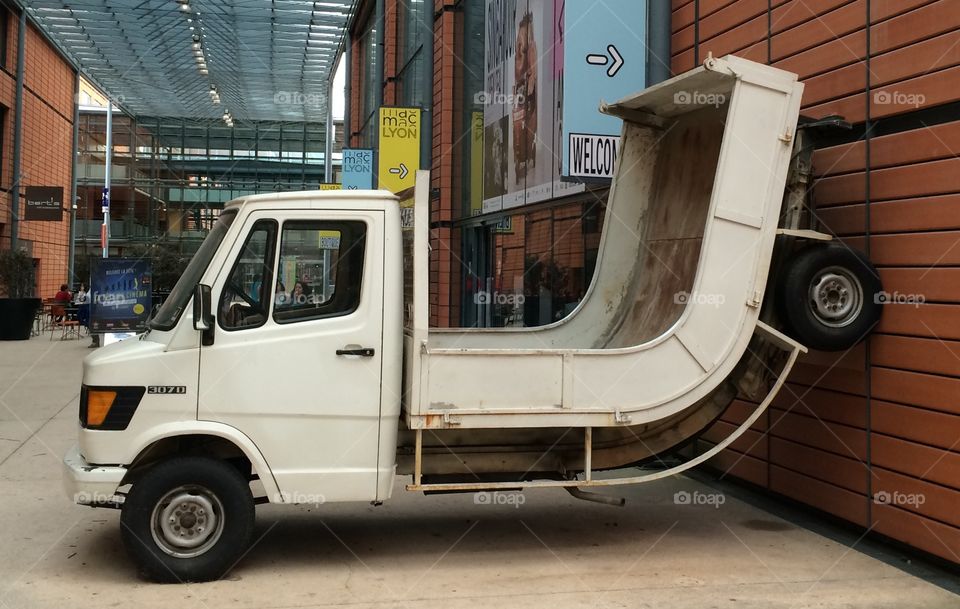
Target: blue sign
x=357 y=173
x=120 y=295
x=604 y=59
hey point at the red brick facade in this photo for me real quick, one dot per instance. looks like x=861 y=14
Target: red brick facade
x=882 y=420
x=48 y=108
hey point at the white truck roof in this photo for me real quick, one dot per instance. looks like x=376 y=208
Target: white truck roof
x=313 y=199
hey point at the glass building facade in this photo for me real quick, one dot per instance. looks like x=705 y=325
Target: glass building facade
x=170 y=177
x=523 y=266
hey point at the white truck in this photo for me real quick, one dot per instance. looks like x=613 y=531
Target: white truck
x=245 y=390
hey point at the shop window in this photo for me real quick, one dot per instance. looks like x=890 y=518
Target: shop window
x=367 y=62
x=3 y=131
x=4 y=35
x=412 y=78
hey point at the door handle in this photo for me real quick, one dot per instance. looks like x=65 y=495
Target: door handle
x=360 y=351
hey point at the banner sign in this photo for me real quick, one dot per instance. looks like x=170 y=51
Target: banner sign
x=357 y=170
x=43 y=203
x=520 y=101
x=120 y=295
x=399 y=136
x=605 y=59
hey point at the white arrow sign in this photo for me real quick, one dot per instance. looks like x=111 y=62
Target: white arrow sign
x=402 y=171
x=615 y=59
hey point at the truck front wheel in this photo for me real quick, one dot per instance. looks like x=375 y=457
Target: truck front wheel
x=830 y=296
x=188 y=519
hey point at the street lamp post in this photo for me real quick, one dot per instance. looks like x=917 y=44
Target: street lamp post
x=105 y=228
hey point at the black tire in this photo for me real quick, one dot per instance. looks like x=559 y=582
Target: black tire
x=848 y=295
x=193 y=488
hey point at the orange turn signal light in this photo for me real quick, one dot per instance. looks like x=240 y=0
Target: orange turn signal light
x=99 y=403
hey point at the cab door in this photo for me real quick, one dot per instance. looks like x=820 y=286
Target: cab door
x=295 y=360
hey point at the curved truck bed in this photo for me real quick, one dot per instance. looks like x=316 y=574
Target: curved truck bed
x=651 y=355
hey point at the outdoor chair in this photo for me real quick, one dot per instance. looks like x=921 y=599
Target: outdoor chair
x=66 y=320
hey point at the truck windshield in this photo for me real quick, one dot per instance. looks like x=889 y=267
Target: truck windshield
x=169 y=312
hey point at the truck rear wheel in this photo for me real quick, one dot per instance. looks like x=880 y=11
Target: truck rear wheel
x=830 y=296
x=188 y=519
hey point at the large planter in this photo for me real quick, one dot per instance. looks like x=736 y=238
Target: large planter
x=16 y=317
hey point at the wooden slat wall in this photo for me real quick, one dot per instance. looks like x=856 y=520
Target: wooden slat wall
x=823 y=442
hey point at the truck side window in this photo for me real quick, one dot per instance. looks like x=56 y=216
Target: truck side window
x=245 y=302
x=320 y=271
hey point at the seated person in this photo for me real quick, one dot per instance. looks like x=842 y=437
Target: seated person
x=299 y=295
x=63 y=295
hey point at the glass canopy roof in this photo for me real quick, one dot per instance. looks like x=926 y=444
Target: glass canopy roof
x=229 y=59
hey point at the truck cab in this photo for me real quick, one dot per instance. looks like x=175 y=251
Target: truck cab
x=279 y=348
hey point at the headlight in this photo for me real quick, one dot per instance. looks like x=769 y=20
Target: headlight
x=108 y=408
x=99 y=402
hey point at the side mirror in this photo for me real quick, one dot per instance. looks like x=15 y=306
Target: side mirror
x=202 y=314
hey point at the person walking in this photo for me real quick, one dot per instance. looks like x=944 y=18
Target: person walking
x=82 y=300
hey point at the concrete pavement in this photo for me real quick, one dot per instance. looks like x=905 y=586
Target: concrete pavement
x=541 y=549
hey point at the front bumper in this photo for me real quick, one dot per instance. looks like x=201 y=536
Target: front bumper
x=88 y=484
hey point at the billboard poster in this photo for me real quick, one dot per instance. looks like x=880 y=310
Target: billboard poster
x=521 y=135
x=605 y=60
x=120 y=295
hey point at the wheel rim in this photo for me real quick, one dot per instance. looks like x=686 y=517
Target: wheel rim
x=187 y=521
x=836 y=297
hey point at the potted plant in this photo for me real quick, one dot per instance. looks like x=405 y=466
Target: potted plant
x=17 y=306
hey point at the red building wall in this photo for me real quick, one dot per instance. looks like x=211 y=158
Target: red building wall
x=48 y=102
x=881 y=421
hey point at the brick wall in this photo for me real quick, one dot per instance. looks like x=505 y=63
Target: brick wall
x=48 y=101
x=885 y=416
x=445 y=267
